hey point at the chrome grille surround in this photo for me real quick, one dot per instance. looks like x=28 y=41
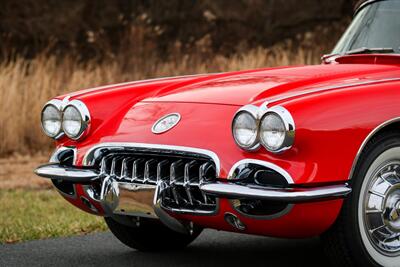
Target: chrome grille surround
x=179 y=171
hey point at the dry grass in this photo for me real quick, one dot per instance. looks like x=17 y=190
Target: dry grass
x=25 y=85
x=16 y=172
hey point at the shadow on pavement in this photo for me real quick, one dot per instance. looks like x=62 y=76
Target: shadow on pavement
x=212 y=248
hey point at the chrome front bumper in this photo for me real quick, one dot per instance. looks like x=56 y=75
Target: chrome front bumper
x=290 y=195
x=128 y=192
x=145 y=200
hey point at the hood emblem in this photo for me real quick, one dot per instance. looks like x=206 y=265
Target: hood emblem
x=166 y=123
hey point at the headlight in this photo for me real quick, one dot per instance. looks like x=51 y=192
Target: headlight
x=277 y=129
x=51 y=118
x=76 y=120
x=245 y=128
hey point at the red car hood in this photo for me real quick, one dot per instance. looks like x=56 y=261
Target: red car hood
x=240 y=88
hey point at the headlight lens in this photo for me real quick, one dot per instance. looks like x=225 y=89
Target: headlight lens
x=76 y=120
x=72 y=122
x=245 y=130
x=51 y=120
x=277 y=129
x=272 y=132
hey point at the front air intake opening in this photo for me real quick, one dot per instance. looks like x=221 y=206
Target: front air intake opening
x=260 y=208
x=259 y=176
x=255 y=174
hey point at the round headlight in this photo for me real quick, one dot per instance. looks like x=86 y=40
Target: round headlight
x=51 y=119
x=72 y=122
x=76 y=119
x=245 y=130
x=277 y=130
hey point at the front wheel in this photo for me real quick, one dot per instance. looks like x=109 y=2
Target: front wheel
x=149 y=235
x=367 y=232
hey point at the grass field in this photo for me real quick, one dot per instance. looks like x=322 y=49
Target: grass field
x=37 y=214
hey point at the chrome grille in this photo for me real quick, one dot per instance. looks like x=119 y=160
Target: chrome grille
x=181 y=177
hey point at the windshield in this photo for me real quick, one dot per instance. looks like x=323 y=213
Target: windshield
x=376 y=26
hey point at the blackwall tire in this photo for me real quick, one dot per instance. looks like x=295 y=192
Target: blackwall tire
x=367 y=232
x=150 y=235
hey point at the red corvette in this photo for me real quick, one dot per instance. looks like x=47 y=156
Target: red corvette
x=290 y=152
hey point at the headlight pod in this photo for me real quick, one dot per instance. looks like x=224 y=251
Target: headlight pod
x=277 y=129
x=76 y=120
x=245 y=128
x=51 y=118
x=273 y=128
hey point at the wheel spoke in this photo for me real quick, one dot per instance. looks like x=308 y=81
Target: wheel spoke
x=376 y=229
x=373 y=211
x=376 y=193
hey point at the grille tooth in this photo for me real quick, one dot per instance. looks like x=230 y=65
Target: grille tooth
x=187 y=180
x=150 y=171
x=176 y=175
x=124 y=171
x=163 y=170
x=180 y=175
x=103 y=166
x=204 y=168
x=138 y=170
x=113 y=163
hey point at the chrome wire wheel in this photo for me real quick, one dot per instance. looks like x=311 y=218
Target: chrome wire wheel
x=379 y=208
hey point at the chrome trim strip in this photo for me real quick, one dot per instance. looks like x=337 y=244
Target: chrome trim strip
x=71 y=174
x=366 y=140
x=326 y=88
x=230 y=190
x=266 y=164
x=88 y=159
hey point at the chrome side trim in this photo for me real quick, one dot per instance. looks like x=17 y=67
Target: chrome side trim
x=326 y=88
x=366 y=140
x=230 y=190
x=70 y=174
x=266 y=164
x=88 y=159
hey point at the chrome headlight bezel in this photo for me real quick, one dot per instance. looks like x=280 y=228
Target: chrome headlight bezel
x=288 y=125
x=56 y=104
x=259 y=114
x=252 y=111
x=84 y=116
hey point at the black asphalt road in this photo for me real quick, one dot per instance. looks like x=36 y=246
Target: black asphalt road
x=212 y=248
